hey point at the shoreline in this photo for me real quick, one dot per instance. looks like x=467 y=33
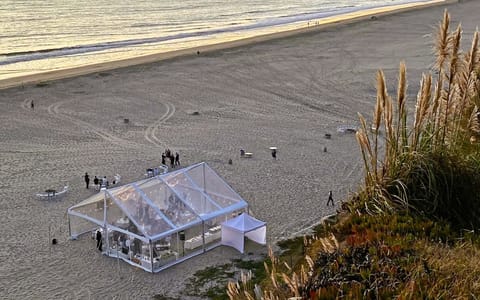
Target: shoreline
x=288 y=31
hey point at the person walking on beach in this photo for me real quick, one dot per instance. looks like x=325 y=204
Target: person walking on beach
x=172 y=161
x=177 y=159
x=99 y=240
x=87 y=179
x=32 y=105
x=330 y=198
x=274 y=154
x=163 y=158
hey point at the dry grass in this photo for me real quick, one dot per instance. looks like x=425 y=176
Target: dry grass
x=429 y=168
x=444 y=120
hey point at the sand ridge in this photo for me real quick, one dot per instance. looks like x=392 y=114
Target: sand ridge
x=286 y=93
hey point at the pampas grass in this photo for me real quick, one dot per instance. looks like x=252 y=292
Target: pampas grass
x=430 y=169
x=444 y=122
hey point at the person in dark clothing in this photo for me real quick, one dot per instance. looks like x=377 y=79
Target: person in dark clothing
x=330 y=198
x=32 y=105
x=177 y=158
x=163 y=158
x=95 y=181
x=274 y=154
x=99 y=240
x=87 y=179
x=172 y=161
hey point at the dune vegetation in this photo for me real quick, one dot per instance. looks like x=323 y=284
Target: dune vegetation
x=411 y=231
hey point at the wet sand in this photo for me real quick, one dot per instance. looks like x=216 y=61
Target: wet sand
x=286 y=93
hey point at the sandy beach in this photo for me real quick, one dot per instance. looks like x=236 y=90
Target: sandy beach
x=285 y=92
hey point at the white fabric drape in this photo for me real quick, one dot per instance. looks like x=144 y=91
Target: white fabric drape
x=235 y=230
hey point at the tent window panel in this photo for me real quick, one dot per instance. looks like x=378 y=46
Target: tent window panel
x=213 y=230
x=115 y=215
x=119 y=247
x=165 y=250
x=138 y=251
x=131 y=200
x=195 y=199
x=118 y=218
x=92 y=207
x=177 y=211
x=193 y=240
x=196 y=174
x=153 y=223
x=155 y=191
x=142 y=213
x=221 y=200
x=216 y=185
x=215 y=223
x=79 y=226
x=93 y=210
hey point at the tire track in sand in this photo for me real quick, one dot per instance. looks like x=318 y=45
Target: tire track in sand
x=26 y=104
x=54 y=109
x=150 y=132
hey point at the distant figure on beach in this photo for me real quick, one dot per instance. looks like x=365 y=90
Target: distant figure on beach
x=172 y=161
x=163 y=158
x=177 y=159
x=99 y=240
x=330 y=198
x=274 y=153
x=87 y=179
x=32 y=105
x=95 y=181
x=105 y=181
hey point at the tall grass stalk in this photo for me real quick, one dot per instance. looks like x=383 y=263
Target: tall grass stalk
x=409 y=175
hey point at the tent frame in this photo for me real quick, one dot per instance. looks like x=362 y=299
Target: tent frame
x=238 y=207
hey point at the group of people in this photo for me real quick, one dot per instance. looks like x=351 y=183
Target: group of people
x=174 y=158
x=98 y=182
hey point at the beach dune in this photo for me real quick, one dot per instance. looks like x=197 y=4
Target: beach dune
x=285 y=93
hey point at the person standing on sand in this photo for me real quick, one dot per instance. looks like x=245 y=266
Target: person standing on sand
x=95 y=181
x=163 y=158
x=172 y=160
x=87 y=179
x=274 y=154
x=32 y=105
x=177 y=158
x=99 y=240
x=330 y=198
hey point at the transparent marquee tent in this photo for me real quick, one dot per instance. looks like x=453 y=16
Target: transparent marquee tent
x=160 y=221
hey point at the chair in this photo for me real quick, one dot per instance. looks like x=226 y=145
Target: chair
x=117 y=179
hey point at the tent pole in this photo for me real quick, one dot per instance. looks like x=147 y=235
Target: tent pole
x=69 y=227
x=151 y=254
x=204 y=181
x=203 y=235
x=105 y=221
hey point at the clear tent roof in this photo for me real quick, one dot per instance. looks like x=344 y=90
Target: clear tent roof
x=167 y=202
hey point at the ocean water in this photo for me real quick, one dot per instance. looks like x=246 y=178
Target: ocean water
x=44 y=35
